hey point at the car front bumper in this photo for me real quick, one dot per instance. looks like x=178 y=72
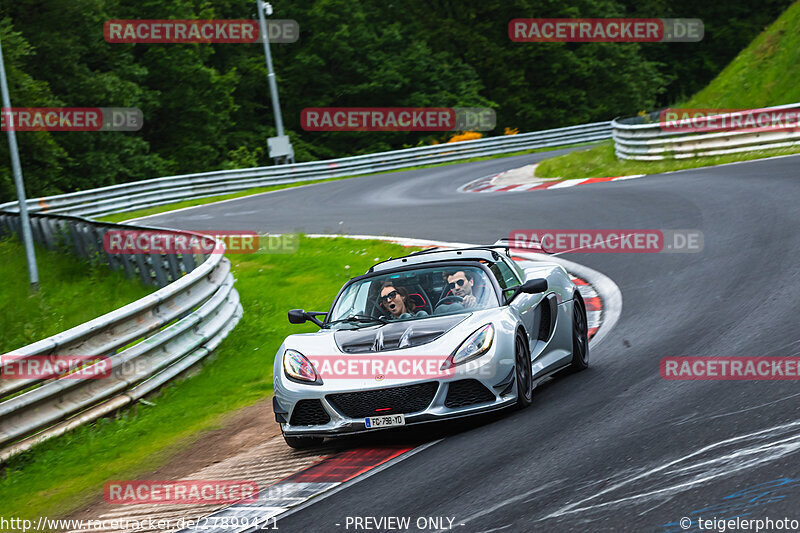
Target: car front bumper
x=440 y=408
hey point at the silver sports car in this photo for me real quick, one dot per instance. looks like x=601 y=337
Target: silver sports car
x=435 y=335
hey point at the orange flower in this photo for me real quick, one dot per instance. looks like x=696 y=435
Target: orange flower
x=465 y=136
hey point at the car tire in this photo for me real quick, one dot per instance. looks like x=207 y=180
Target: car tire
x=523 y=373
x=302 y=443
x=580 y=336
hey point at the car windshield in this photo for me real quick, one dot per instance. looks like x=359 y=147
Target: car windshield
x=413 y=295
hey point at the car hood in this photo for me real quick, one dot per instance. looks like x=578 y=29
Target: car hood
x=395 y=335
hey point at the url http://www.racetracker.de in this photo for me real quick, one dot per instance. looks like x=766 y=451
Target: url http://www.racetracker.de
x=44 y=523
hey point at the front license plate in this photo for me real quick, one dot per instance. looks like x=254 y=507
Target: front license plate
x=385 y=421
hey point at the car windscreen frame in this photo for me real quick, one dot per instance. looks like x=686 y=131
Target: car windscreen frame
x=420 y=266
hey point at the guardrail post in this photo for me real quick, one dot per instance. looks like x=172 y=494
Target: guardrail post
x=36 y=230
x=174 y=267
x=142 y=263
x=86 y=236
x=127 y=267
x=113 y=261
x=76 y=241
x=64 y=235
x=47 y=233
x=16 y=225
x=158 y=267
x=188 y=262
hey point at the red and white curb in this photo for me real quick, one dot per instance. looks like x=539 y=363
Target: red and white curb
x=289 y=494
x=486 y=184
x=594 y=305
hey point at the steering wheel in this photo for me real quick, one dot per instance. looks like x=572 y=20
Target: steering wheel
x=452 y=299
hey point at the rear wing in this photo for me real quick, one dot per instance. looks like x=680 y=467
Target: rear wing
x=521 y=243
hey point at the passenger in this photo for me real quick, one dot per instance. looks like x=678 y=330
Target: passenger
x=396 y=302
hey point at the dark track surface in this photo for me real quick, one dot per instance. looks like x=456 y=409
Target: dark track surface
x=615 y=448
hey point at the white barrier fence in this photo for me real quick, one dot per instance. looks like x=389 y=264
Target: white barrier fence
x=160 y=191
x=138 y=347
x=651 y=139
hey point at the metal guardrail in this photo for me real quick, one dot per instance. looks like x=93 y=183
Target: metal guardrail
x=154 y=339
x=146 y=343
x=647 y=139
x=160 y=191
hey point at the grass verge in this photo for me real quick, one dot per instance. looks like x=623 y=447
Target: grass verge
x=65 y=473
x=600 y=162
x=763 y=74
x=65 y=284
x=760 y=76
x=119 y=217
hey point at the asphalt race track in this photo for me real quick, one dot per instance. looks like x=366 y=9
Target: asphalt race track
x=615 y=448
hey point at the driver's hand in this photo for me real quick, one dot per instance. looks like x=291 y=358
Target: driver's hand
x=470 y=300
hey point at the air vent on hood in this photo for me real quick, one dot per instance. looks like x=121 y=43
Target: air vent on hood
x=395 y=335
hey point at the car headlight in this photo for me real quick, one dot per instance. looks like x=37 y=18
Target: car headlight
x=298 y=367
x=476 y=345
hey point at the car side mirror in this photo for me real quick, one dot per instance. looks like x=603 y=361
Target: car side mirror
x=300 y=316
x=297 y=316
x=532 y=286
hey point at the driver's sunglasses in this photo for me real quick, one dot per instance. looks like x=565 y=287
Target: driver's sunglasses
x=460 y=283
x=388 y=297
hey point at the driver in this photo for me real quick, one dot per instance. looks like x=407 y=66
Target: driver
x=395 y=300
x=459 y=295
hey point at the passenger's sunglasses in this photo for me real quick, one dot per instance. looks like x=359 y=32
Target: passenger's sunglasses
x=460 y=283
x=388 y=297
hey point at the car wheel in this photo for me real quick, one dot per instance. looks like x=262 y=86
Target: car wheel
x=580 y=336
x=301 y=443
x=523 y=374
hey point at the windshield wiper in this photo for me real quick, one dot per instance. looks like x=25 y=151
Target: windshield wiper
x=361 y=319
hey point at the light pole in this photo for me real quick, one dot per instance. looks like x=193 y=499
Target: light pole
x=280 y=147
x=25 y=222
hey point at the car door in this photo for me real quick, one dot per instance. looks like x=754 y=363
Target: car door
x=525 y=304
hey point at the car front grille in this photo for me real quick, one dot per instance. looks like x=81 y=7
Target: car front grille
x=467 y=392
x=389 y=401
x=309 y=413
